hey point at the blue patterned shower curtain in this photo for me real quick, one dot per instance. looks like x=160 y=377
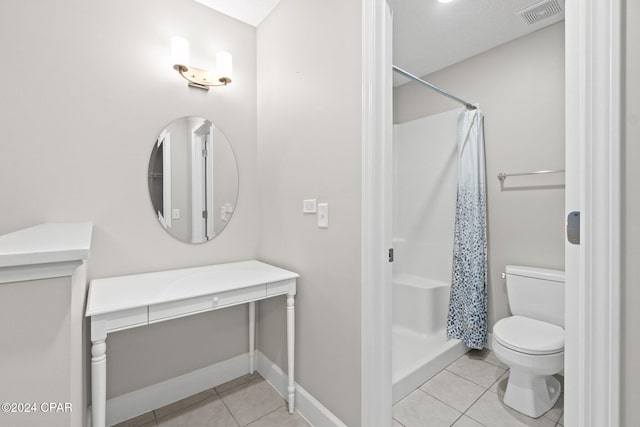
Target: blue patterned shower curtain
x=467 y=319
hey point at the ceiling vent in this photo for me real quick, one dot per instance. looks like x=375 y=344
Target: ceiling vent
x=540 y=10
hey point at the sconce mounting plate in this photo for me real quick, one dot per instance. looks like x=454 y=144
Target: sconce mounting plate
x=199 y=78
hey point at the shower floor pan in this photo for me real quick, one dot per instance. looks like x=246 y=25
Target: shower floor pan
x=420 y=348
x=417 y=357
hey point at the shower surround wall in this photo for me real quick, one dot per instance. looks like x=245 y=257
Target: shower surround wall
x=425 y=171
x=520 y=88
x=425 y=167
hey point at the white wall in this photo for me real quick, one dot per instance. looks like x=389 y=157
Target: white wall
x=89 y=87
x=630 y=395
x=309 y=146
x=425 y=169
x=225 y=179
x=520 y=89
x=180 y=179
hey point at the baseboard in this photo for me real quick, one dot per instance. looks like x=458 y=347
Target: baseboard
x=306 y=405
x=146 y=399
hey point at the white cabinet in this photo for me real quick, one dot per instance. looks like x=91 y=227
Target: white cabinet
x=43 y=286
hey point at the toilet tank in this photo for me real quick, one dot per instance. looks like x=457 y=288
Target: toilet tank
x=537 y=293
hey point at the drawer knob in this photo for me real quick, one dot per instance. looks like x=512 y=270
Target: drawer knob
x=215 y=300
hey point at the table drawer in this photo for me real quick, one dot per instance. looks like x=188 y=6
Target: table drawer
x=240 y=296
x=282 y=287
x=179 y=308
x=189 y=306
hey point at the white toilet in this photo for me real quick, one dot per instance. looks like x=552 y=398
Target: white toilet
x=531 y=341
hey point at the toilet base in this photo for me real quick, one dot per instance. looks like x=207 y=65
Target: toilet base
x=531 y=394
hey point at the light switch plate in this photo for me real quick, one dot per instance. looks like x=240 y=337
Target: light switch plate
x=323 y=215
x=309 y=206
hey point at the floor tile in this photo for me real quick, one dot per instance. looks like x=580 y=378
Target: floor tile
x=396 y=424
x=555 y=413
x=486 y=355
x=144 y=420
x=281 y=418
x=252 y=400
x=561 y=420
x=420 y=409
x=489 y=410
x=184 y=403
x=477 y=371
x=230 y=385
x=207 y=413
x=453 y=390
x=465 y=421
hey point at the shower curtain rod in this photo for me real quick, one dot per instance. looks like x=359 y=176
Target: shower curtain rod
x=436 y=88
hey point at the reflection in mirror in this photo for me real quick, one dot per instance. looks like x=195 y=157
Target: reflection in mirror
x=193 y=179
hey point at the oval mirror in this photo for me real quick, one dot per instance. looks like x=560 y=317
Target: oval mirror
x=193 y=179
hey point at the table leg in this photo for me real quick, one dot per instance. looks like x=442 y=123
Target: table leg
x=98 y=382
x=291 y=349
x=252 y=337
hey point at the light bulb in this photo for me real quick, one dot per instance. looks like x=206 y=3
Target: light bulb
x=180 y=51
x=224 y=65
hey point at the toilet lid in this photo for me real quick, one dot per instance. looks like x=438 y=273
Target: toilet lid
x=529 y=336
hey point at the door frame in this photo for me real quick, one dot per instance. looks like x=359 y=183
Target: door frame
x=201 y=171
x=593 y=131
x=593 y=139
x=376 y=228
x=164 y=143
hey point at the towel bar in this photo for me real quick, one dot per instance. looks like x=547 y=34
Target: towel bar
x=502 y=176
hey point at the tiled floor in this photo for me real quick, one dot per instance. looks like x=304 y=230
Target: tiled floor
x=468 y=393
x=245 y=401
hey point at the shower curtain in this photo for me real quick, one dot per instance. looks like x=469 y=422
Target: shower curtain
x=467 y=320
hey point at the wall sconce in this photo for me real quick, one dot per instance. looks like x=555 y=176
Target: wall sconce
x=197 y=77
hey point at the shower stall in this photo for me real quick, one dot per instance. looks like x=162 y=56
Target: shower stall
x=424 y=192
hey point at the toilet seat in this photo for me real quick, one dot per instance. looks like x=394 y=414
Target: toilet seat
x=529 y=336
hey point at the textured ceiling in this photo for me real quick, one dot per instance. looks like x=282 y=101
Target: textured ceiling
x=429 y=36
x=250 y=11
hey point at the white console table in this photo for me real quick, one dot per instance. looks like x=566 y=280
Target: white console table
x=125 y=302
